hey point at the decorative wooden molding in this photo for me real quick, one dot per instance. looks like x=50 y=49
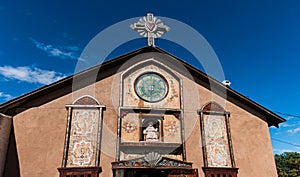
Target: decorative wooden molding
x=222 y=172
x=142 y=147
x=79 y=171
x=142 y=163
x=184 y=173
x=171 y=172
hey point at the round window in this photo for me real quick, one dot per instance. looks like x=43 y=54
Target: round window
x=151 y=87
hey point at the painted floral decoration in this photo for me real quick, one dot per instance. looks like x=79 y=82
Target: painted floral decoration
x=129 y=126
x=171 y=128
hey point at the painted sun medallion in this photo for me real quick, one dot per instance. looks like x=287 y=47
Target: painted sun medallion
x=151 y=87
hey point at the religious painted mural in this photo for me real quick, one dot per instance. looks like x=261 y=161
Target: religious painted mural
x=83 y=137
x=216 y=139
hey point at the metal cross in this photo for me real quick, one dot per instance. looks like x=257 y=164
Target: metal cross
x=150 y=27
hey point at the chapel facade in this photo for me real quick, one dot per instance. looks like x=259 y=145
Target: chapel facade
x=143 y=114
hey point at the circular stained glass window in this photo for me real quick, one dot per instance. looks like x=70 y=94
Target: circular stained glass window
x=151 y=87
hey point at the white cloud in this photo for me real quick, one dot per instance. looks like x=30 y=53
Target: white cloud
x=293 y=131
x=30 y=74
x=72 y=48
x=5 y=96
x=286 y=125
x=66 y=52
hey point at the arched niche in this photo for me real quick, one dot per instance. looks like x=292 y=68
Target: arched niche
x=86 y=100
x=213 y=107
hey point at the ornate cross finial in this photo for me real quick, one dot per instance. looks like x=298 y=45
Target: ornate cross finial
x=150 y=27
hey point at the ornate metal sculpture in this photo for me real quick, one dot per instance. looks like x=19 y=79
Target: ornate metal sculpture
x=150 y=27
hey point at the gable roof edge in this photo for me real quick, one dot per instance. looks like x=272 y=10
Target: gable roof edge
x=271 y=117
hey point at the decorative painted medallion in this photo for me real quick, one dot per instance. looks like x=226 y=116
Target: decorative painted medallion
x=151 y=87
x=129 y=126
x=82 y=153
x=171 y=128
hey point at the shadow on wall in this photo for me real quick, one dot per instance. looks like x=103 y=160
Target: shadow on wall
x=12 y=167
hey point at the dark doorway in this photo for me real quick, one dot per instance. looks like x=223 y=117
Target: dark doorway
x=147 y=173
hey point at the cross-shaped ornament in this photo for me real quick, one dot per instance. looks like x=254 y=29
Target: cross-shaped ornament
x=150 y=27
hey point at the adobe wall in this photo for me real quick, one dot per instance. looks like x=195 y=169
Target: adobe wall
x=40 y=136
x=250 y=135
x=40 y=133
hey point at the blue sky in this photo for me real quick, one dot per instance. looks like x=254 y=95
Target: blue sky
x=257 y=43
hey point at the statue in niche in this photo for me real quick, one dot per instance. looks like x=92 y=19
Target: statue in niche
x=151 y=132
